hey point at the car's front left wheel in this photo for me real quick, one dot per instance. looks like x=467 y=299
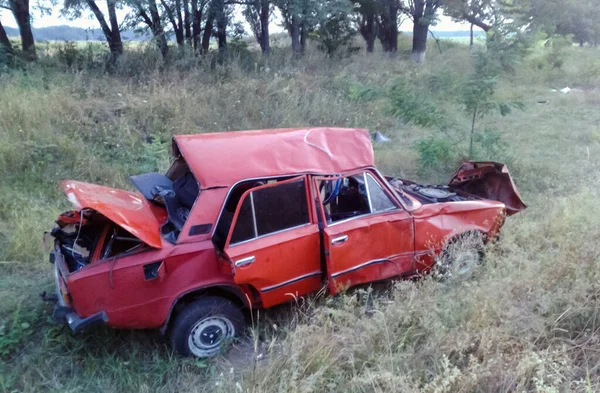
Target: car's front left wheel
x=461 y=256
x=205 y=325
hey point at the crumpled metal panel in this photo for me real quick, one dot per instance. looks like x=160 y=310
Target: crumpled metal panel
x=489 y=180
x=224 y=158
x=129 y=210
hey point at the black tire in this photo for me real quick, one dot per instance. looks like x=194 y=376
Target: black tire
x=204 y=325
x=461 y=256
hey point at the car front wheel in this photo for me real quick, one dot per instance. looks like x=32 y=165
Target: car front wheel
x=204 y=326
x=461 y=257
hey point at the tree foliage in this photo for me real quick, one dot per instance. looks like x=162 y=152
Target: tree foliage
x=578 y=18
x=378 y=19
x=334 y=27
x=481 y=13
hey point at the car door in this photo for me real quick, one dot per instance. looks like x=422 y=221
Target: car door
x=274 y=244
x=365 y=240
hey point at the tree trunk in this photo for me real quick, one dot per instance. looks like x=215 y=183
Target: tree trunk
x=265 y=45
x=115 y=42
x=303 y=37
x=471 y=37
x=209 y=26
x=420 y=30
x=112 y=35
x=196 y=21
x=180 y=30
x=161 y=40
x=295 y=36
x=221 y=29
x=5 y=45
x=187 y=21
x=419 y=48
x=370 y=40
x=393 y=29
x=20 y=10
x=368 y=30
x=388 y=29
x=157 y=30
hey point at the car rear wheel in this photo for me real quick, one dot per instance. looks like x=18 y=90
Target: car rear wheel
x=204 y=326
x=461 y=257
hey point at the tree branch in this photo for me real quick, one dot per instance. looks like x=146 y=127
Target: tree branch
x=142 y=13
x=170 y=15
x=100 y=16
x=477 y=22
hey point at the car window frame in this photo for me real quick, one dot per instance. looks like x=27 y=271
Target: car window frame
x=321 y=208
x=390 y=197
x=311 y=218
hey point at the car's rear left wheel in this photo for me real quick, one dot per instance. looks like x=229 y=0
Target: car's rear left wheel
x=205 y=325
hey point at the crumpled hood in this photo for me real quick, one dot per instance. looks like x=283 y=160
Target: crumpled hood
x=489 y=180
x=129 y=210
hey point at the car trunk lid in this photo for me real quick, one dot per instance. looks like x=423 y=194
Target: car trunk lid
x=489 y=180
x=129 y=210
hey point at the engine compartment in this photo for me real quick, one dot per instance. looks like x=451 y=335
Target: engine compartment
x=87 y=236
x=429 y=193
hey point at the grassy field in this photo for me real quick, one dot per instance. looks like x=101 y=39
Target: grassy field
x=528 y=322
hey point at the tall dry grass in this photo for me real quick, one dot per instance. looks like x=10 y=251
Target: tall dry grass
x=526 y=322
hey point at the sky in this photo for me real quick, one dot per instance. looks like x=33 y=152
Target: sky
x=87 y=21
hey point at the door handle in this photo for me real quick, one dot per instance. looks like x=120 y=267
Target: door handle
x=339 y=239
x=245 y=261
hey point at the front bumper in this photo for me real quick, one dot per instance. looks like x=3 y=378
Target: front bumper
x=65 y=315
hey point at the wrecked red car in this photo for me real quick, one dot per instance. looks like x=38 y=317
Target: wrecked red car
x=252 y=219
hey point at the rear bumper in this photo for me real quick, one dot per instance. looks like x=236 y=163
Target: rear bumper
x=63 y=314
x=66 y=316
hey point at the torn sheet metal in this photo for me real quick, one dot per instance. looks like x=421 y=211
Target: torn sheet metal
x=489 y=180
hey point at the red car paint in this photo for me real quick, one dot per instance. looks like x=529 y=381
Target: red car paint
x=126 y=209
x=399 y=242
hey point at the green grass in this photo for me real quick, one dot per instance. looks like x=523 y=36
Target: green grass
x=527 y=322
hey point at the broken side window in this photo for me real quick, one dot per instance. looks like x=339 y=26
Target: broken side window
x=344 y=197
x=226 y=218
x=380 y=200
x=271 y=209
x=353 y=196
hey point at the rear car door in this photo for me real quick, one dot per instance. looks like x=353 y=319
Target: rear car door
x=274 y=244
x=368 y=236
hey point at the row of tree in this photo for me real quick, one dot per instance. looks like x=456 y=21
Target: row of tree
x=333 y=22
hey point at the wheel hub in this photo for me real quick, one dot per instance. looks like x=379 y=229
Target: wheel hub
x=211 y=335
x=208 y=334
x=465 y=262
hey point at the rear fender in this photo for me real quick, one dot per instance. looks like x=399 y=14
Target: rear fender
x=230 y=292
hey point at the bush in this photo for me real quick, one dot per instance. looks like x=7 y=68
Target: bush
x=335 y=29
x=437 y=157
x=335 y=35
x=415 y=107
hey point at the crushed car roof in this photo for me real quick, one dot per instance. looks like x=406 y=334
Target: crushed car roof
x=224 y=158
